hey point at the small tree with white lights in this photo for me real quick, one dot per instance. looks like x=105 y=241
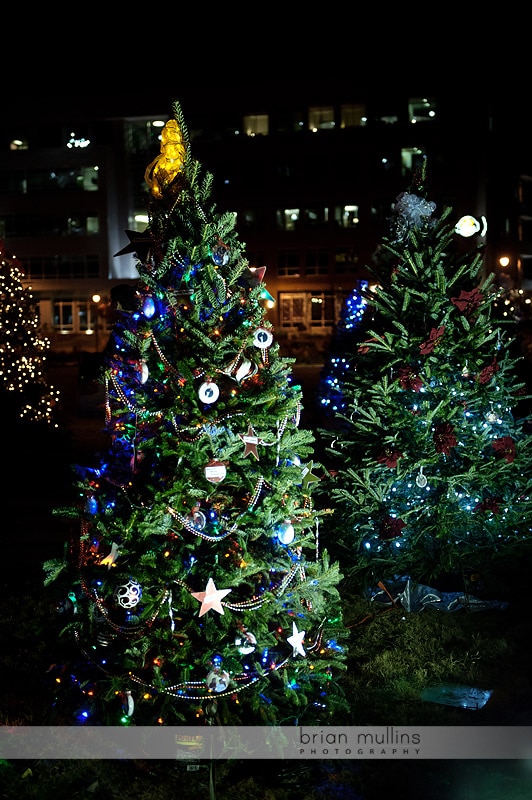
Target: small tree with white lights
x=25 y=393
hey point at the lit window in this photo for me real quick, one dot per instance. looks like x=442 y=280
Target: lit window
x=292 y=310
x=256 y=124
x=411 y=160
x=320 y=118
x=322 y=310
x=353 y=115
x=288 y=219
x=421 y=109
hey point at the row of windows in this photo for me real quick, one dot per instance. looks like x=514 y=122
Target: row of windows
x=292 y=219
x=61 y=267
x=298 y=219
x=77 y=316
x=290 y=264
x=293 y=264
x=85 y=178
x=303 y=311
x=19 y=225
x=72 y=178
x=306 y=311
x=142 y=135
x=347 y=115
x=82 y=224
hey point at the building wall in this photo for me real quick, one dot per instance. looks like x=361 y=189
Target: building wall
x=285 y=165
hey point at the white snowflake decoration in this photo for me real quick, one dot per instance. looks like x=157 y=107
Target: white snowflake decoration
x=411 y=211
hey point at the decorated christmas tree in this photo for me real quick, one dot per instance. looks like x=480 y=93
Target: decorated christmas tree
x=26 y=395
x=431 y=474
x=197 y=584
x=330 y=396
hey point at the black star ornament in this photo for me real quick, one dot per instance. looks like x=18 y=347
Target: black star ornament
x=139 y=243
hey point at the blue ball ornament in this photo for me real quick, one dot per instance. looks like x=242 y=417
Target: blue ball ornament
x=220 y=255
x=285 y=532
x=148 y=307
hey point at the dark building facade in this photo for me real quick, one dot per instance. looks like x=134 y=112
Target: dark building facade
x=311 y=171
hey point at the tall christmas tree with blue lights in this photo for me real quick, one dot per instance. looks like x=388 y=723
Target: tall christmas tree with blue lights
x=330 y=396
x=431 y=474
x=197 y=584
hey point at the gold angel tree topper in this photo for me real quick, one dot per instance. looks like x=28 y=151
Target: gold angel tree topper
x=162 y=171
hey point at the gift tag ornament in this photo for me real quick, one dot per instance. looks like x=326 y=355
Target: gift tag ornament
x=208 y=392
x=263 y=338
x=215 y=471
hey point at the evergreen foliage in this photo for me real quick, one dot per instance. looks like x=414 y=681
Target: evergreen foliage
x=198 y=588
x=430 y=462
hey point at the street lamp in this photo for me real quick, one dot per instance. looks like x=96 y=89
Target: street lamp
x=96 y=300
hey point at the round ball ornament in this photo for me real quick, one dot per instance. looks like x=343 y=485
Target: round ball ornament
x=491 y=416
x=245 y=643
x=421 y=480
x=217 y=680
x=197 y=519
x=148 y=307
x=129 y=594
x=91 y=505
x=144 y=372
x=208 y=392
x=105 y=639
x=245 y=370
x=285 y=532
x=220 y=254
